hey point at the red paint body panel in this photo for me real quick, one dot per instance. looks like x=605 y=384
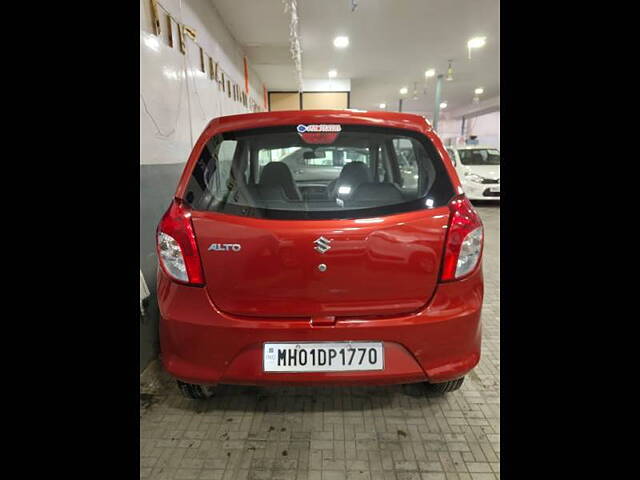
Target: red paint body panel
x=378 y=266
x=202 y=345
x=381 y=284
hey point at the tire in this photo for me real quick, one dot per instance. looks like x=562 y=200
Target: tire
x=445 y=387
x=196 y=392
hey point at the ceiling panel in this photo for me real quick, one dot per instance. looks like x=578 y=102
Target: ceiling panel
x=392 y=43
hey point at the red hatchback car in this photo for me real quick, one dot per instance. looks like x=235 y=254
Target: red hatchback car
x=326 y=247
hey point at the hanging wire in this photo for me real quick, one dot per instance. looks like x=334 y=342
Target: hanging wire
x=159 y=132
x=291 y=6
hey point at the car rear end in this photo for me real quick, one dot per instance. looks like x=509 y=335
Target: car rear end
x=356 y=275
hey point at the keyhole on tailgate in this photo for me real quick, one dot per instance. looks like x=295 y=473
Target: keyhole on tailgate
x=322 y=267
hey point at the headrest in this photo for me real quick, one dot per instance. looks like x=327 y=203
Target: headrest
x=275 y=173
x=353 y=174
x=278 y=174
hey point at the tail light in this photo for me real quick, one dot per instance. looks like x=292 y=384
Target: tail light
x=464 y=241
x=176 y=243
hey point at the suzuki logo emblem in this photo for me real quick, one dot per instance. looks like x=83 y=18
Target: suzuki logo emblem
x=322 y=244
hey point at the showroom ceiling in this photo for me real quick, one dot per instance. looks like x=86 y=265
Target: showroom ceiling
x=392 y=43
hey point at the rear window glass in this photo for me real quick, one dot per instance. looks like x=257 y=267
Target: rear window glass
x=361 y=172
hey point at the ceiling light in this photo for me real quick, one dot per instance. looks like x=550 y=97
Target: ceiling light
x=333 y=73
x=404 y=90
x=443 y=105
x=479 y=91
x=476 y=42
x=341 y=42
x=383 y=106
x=450 y=72
x=430 y=73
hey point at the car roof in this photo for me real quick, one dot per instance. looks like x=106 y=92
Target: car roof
x=350 y=116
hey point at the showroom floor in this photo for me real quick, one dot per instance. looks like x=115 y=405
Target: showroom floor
x=334 y=433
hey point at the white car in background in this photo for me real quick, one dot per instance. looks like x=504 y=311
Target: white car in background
x=479 y=170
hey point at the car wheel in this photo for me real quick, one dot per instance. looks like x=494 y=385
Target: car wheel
x=197 y=392
x=445 y=387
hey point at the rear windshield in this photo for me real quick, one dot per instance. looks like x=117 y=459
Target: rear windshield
x=479 y=156
x=357 y=172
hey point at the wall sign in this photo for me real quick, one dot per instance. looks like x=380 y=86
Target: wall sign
x=216 y=74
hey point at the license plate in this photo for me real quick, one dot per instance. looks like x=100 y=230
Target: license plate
x=323 y=357
x=494 y=189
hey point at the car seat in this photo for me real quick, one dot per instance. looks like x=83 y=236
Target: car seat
x=352 y=175
x=277 y=174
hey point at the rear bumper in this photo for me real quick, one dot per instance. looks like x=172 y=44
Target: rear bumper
x=199 y=344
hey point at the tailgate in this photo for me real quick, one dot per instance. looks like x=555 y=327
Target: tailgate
x=272 y=268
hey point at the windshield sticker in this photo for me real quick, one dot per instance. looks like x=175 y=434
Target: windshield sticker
x=319 y=133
